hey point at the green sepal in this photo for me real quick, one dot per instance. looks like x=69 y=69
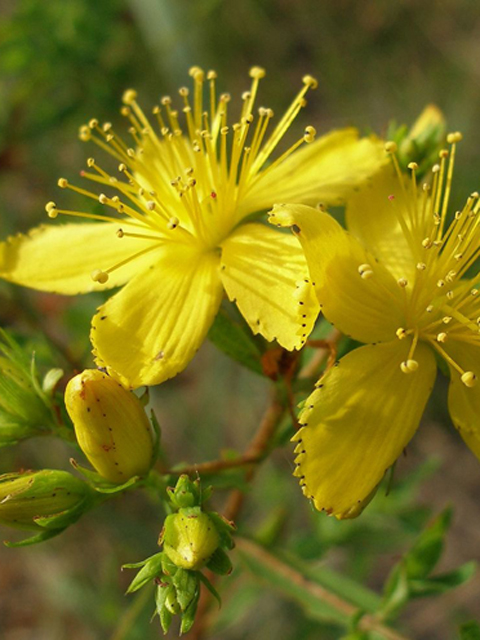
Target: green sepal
x=225 y=528
x=186 y=584
x=188 y=616
x=150 y=569
x=220 y=563
x=211 y=588
x=165 y=619
x=41 y=537
x=63 y=519
x=50 y=381
x=100 y=484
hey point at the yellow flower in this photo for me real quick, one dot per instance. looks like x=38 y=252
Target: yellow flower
x=178 y=226
x=395 y=280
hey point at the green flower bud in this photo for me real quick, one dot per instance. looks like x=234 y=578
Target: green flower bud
x=190 y=538
x=46 y=499
x=24 y=410
x=111 y=426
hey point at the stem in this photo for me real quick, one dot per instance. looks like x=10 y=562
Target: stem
x=211 y=467
x=367 y=622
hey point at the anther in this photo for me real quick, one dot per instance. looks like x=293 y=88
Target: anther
x=151 y=205
x=391 y=147
x=474 y=292
x=421 y=266
x=172 y=223
x=309 y=135
x=454 y=137
x=426 y=243
x=365 y=271
x=99 y=276
x=413 y=166
x=450 y=295
x=90 y=162
x=443 y=153
x=429 y=309
x=401 y=333
x=51 y=209
x=257 y=73
x=120 y=233
x=102 y=198
x=184 y=91
x=435 y=168
x=469 y=379
x=442 y=337
x=310 y=82
x=93 y=124
x=62 y=183
x=402 y=282
x=84 y=133
x=211 y=75
x=440 y=283
x=129 y=96
x=446 y=319
x=409 y=366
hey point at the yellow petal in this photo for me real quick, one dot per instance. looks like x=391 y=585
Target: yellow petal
x=373 y=218
x=326 y=171
x=60 y=258
x=463 y=401
x=357 y=422
x=265 y=273
x=427 y=122
x=356 y=293
x=151 y=329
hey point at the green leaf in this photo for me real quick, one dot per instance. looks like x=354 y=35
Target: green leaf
x=41 y=537
x=211 y=588
x=150 y=570
x=220 y=563
x=186 y=584
x=426 y=552
x=470 y=631
x=396 y=592
x=235 y=339
x=443 y=583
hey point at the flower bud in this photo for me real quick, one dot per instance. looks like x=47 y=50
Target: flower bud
x=190 y=538
x=46 y=499
x=111 y=426
x=24 y=408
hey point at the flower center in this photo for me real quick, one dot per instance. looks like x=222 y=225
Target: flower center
x=179 y=183
x=440 y=306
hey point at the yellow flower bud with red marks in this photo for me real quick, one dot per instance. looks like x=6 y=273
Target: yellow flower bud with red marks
x=111 y=426
x=190 y=538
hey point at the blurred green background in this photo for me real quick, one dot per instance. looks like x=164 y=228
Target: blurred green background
x=62 y=63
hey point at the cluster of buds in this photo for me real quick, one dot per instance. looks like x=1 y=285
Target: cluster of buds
x=111 y=426
x=25 y=404
x=422 y=142
x=45 y=501
x=192 y=539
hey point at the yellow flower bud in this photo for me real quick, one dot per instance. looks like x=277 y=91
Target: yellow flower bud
x=46 y=499
x=190 y=538
x=111 y=426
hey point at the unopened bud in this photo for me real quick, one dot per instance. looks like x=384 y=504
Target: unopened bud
x=111 y=426
x=46 y=499
x=190 y=538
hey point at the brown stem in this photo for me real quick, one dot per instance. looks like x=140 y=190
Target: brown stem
x=325 y=348
x=212 y=466
x=367 y=622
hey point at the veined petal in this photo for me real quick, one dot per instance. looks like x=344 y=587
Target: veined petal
x=357 y=422
x=60 y=258
x=151 y=329
x=356 y=293
x=264 y=271
x=373 y=218
x=463 y=401
x=326 y=171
